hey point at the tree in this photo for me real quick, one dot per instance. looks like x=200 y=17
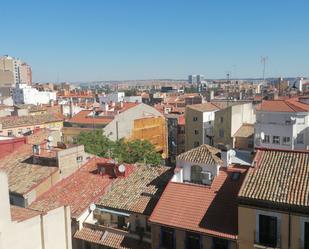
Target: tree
x=141 y=151
x=95 y=143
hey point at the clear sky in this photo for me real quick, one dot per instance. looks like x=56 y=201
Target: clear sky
x=142 y=39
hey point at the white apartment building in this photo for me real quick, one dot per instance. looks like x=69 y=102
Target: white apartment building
x=25 y=94
x=283 y=124
x=111 y=98
x=23 y=228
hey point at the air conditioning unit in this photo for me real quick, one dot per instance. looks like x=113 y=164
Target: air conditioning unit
x=207 y=177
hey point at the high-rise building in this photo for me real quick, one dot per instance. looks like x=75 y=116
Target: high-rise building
x=13 y=71
x=192 y=79
x=200 y=78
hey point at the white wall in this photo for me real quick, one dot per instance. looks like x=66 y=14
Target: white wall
x=51 y=230
x=274 y=124
x=111 y=97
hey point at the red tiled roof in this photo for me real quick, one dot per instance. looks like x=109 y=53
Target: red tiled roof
x=208 y=210
x=79 y=190
x=110 y=239
x=286 y=105
x=20 y=214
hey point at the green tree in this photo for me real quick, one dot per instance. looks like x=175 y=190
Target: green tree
x=141 y=151
x=95 y=143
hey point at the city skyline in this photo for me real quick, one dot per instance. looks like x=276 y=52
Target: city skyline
x=104 y=41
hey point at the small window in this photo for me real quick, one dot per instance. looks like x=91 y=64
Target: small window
x=221 y=119
x=221 y=133
x=268 y=230
x=10 y=133
x=276 y=140
x=194 y=118
x=79 y=159
x=306 y=235
x=220 y=243
x=196 y=132
x=266 y=139
x=193 y=241
x=196 y=144
x=300 y=138
x=286 y=140
x=167 y=238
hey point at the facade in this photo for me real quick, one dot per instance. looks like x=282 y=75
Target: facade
x=273 y=210
x=25 y=94
x=176 y=136
x=23 y=228
x=198 y=208
x=115 y=97
x=120 y=217
x=25 y=74
x=20 y=125
x=283 y=124
x=192 y=79
x=229 y=120
x=200 y=124
x=10 y=70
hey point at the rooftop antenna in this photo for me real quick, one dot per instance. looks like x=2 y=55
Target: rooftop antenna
x=264 y=60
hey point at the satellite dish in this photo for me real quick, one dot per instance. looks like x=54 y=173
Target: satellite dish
x=262 y=135
x=293 y=118
x=121 y=168
x=232 y=153
x=50 y=138
x=92 y=207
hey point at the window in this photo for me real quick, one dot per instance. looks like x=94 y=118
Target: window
x=306 y=235
x=196 y=144
x=196 y=132
x=193 y=241
x=266 y=139
x=221 y=119
x=167 y=238
x=196 y=174
x=79 y=159
x=276 y=140
x=10 y=133
x=300 y=138
x=267 y=230
x=221 y=133
x=286 y=140
x=220 y=243
x=194 y=118
x=121 y=222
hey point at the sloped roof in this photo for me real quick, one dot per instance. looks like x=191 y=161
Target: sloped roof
x=279 y=178
x=204 y=154
x=78 y=190
x=140 y=191
x=110 y=239
x=285 y=105
x=246 y=130
x=203 y=209
x=20 y=214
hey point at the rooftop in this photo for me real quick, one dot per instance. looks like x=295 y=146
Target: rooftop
x=246 y=130
x=20 y=121
x=109 y=239
x=23 y=176
x=19 y=214
x=203 y=209
x=140 y=191
x=280 y=177
x=79 y=190
x=283 y=105
x=204 y=154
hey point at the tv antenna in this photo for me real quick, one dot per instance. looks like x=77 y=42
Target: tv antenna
x=264 y=60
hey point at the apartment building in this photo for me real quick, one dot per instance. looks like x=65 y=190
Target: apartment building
x=198 y=208
x=283 y=124
x=199 y=121
x=273 y=210
x=24 y=228
x=234 y=125
x=119 y=219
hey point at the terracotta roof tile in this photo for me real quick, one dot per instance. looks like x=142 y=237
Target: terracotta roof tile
x=110 y=239
x=205 y=154
x=140 y=191
x=286 y=105
x=203 y=209
x=20 y=214
x=246 y=130
x=79 y=190
x=280 y=177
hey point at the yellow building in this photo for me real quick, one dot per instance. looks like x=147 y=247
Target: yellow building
x=152 y=129
x=273 y=209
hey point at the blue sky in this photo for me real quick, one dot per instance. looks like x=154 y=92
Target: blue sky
x=141 y=39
